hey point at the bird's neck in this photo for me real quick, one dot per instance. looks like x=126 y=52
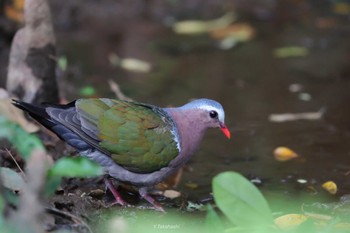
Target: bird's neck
x=190 y=133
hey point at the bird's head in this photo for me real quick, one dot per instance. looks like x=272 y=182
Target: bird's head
x=210 y=113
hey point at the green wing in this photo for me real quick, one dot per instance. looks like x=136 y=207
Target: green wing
x=137 y=136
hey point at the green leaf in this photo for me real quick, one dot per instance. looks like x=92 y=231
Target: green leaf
x=10 y=197
x=62 y=63
x=75 y=167
x=240 y=200
x=2 y=207
x=213 y=222
x=70 y=167
x=11 y=179
x=52 y=183
x=87 y=91
x=24 y=142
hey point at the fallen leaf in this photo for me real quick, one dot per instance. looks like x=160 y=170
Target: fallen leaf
x=191 y=27
x=15 y=11
x=191 y=185
x=242 y=31
x=296 y=116
x=233 y=34
x=11 y=179
x=283 y=154
x=330 y=186
x=301 y=181
x=290 y=221
x=341 y=8
x=291 y=51
x=130 y=64
x=172 y=194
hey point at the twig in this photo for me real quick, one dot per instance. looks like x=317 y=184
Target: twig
x=14 y=160
x=116 y=89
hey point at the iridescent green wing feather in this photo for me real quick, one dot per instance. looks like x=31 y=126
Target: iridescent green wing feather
x=137 y=136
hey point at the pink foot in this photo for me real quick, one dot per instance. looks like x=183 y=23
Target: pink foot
x=144 y=194
x=118 y=199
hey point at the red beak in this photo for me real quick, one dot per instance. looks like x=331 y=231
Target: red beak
x=225 y=130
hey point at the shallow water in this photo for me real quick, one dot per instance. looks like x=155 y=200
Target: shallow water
x=249 y=81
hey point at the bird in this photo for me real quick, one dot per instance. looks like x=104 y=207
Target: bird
x=135 y=143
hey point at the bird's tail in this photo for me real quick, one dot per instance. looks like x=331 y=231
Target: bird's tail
x=33 y=110
x=37 y=112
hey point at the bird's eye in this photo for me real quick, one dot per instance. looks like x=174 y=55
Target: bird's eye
x=213 y=114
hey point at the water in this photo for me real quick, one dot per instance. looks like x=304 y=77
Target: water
x=249 y=81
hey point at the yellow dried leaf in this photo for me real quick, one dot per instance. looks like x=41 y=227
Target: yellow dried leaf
x=330 y=186
x=291 y=51
x=130 y=64
x=14 y=14
x=14 y=11
x=18 y=4
x=135 y=65
x=290 y=221
x=239 y=31
x=283 y=154
x=341 y=8
x=191 y=185
x=203 y=26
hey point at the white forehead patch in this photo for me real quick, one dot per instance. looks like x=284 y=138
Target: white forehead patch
x=208 y=105
x=220 y=111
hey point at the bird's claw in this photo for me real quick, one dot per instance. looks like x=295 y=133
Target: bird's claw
x=156 y=206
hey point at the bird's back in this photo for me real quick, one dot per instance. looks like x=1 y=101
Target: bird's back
x=139 y=137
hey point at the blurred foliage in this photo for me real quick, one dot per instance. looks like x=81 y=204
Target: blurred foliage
x=87 y=91
x=241 y=209
x=70 y=167
x=12 y=182
x=24 y=142
x=11 y=179
x=240 y=201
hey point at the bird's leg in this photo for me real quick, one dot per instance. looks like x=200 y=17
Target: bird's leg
x=144 y=194
x=118 y=199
